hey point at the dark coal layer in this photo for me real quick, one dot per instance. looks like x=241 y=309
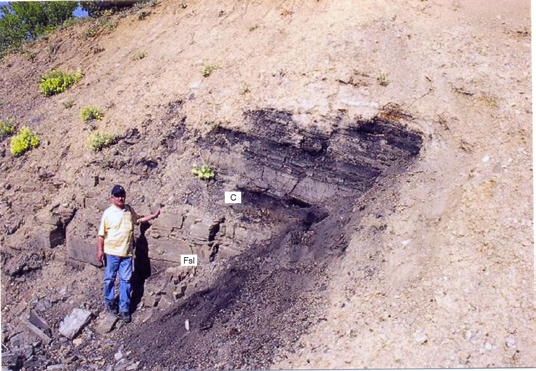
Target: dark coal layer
x=268 y=296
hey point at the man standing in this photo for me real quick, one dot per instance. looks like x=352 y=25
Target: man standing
x=115 y=241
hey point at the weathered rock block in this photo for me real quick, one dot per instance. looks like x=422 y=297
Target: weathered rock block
x=167 y=249
x=166 y=226
x=106 y=323
x=80 y=249
x=74 y=322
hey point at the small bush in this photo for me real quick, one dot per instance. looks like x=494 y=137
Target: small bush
x=69 y=22
x=245 y=89
x=108 y=24
x=90 y=32
x=98 y=141
x=56 y=82
x=98 y=8
x=382 y=80
x=143 y=14
x=23 y=142
x=254 y=27
x=107 y=13
x=90 y=113
x=207 y=70
x=144 y=4
x=204 y=173
x=7 y=128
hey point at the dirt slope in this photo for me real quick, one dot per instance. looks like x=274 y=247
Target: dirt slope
x=436 y=268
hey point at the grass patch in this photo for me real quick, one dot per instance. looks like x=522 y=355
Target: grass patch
x=144 y=4
x=98 y=141
x=204 y=173
x=90 y=32
x=7 y=128
x=108 y=24
x=90 y=113
x=245 y=89
x=56 y=82
x=69 y=22
x=207 y=70
x=382 y=80
x=143 y=14
x=23 y=142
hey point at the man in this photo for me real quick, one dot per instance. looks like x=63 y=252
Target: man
x=115 y=240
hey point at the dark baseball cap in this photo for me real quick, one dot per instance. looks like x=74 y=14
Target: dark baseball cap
x=118 y=191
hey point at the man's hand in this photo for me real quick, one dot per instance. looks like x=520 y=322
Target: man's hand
x=146 y=218
x=100 y=249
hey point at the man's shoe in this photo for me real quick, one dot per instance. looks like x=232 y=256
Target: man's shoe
x=125 y=316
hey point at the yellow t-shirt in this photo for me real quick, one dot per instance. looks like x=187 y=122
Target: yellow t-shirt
x=117 y=228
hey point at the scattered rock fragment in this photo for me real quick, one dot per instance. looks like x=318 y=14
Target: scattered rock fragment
x=151 y=300
x=17 y=266
x=420 y=337
x=74 y=322
x=11 y=360
x=133 y=366
x=78 y=342
x=38 y=321
x=57 y=367
x=118 y=356
x=43 y=305
x=106 y=324
x=180 y=290
x=165 y=303
x=44 y=336
x=510 y=342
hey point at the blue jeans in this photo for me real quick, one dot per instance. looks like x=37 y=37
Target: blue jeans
x=115 y=264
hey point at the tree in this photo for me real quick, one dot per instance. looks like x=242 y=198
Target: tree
x=97 y=7
x=22 y=21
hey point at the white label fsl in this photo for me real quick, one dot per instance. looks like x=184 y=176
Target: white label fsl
x=188 y=260
x=233 y=197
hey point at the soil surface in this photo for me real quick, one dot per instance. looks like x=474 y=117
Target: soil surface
x=384 y=154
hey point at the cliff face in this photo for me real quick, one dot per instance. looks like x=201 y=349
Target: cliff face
x=383 y=152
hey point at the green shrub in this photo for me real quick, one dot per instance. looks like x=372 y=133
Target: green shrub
x=23 y=142
x=143 y=4
x=382 y=80
x=207 y=70
x=7 y=128
x=56 y=82
x=90 y=32
x=108 y=24
x=204 y=173
x=90 y=113
x=99 y=7
x=99 y=141
x=143 y=14
x=69 y=22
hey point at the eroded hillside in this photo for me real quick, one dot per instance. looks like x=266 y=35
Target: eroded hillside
x=384 y=154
